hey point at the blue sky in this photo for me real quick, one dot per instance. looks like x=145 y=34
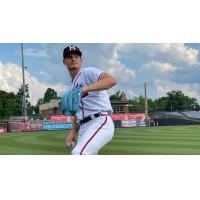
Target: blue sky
x=163 y=66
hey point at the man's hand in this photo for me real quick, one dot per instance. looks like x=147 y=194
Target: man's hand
x=70 y=141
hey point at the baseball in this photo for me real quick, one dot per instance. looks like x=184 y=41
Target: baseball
x=71 y=145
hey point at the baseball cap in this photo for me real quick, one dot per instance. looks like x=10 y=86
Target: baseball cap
x=71 y=49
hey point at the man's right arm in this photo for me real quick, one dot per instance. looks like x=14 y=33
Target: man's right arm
x=72 y=134
x=106 y=81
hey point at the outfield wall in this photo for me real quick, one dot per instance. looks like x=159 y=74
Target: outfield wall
x=37 y=126
x=176 y=121
x=62 y=122
x=129 y=120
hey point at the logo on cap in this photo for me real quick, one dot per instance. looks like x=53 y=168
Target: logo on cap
x=71 y=49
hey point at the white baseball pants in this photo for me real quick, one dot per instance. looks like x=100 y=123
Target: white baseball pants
x=93 y=135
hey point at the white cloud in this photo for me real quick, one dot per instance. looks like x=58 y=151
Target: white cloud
x=102 y=56
x=163 y=87
x=123 y=72
x=130 y=94
x=162 y=67
x=177 y=52
x=108 y=57
x=120 y=71
x=165 y=52
x=11 y=81
x=111 y=63
x=10 y=77
x=34 y=52
x=43 y=73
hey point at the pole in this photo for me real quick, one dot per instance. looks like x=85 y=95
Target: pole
x=145 y=101
x=24 y=107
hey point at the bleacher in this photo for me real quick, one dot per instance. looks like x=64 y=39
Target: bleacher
x=177 y=118
x=174 y=114
x=192 y=114
x=186 y=114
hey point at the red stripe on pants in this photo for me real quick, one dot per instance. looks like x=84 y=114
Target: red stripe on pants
x=93 y=136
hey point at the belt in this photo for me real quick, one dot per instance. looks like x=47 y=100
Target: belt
x=87 y=119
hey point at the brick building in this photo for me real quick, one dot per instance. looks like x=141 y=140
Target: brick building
x=120 y=106
x=51 y=108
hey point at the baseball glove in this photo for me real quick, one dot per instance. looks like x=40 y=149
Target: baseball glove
x=71 y=101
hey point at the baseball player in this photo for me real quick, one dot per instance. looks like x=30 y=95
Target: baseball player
x=92 y=112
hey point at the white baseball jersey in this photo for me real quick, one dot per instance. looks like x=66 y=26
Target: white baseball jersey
x=96 y=101
x=97 y=132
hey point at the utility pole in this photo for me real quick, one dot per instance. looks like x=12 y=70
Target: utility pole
x=145 y=101
x=24 y=106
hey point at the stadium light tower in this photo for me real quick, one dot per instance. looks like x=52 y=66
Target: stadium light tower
x=145 y=101
x=24 y=106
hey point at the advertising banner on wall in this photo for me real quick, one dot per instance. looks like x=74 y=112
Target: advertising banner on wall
x=61 y=118
x=38 y=126
x=126 y=123
x=133 y=123
x=17 y=126
x=33 y=126
x=136 y=116
x=56 y=126
x=128 y=116
x=119 y=117
x=25 y=126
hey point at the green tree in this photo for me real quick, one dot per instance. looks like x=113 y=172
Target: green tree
x=151 y=105
x=30 y=109
x=1 y=107
x=3 y=99
x=36 y=108
x=116 y=96
x=137 y=104
x=10 y=105
x=6 y=103
x=49 y=95
x=176 y=101
x=160 y=104
x=19 y=99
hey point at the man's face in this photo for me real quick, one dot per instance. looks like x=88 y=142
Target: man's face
x=73 y=62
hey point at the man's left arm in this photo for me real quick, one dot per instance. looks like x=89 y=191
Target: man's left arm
x=105 y=82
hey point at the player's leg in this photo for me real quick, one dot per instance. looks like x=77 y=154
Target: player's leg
x=94 y=135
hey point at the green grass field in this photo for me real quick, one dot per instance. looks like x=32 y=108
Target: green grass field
x=168 y=140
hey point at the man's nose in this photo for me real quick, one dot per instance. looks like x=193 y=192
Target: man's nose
x=73 y=57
